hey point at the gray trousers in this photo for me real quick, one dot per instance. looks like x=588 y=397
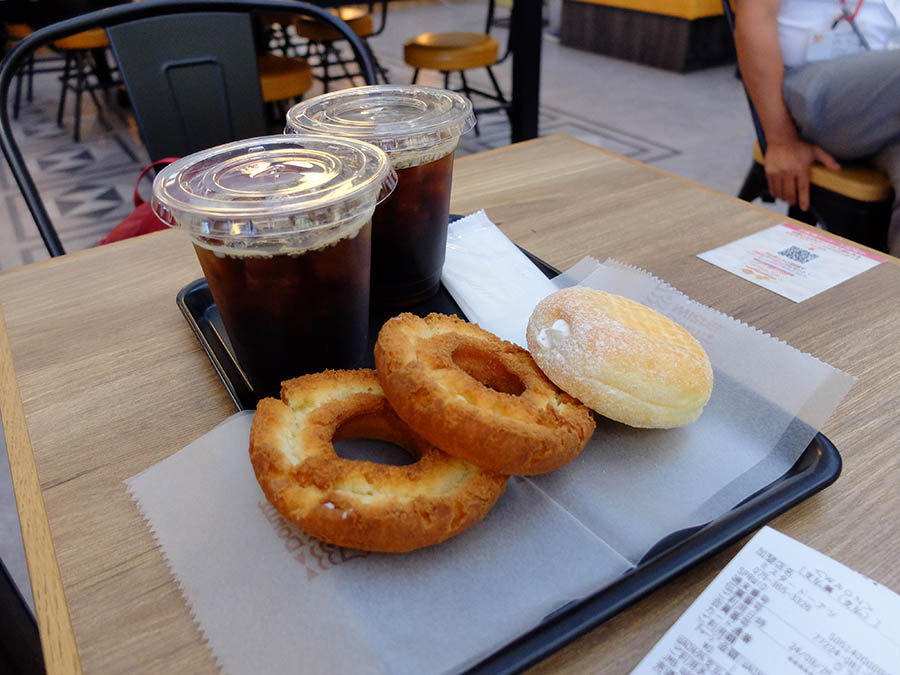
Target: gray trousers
x=850 y=106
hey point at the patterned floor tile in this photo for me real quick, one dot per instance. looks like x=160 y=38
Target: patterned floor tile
x=86 y=186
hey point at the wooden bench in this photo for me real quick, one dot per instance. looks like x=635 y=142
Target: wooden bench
x=679 y=35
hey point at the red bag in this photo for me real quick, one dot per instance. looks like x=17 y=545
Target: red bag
x=142 y=220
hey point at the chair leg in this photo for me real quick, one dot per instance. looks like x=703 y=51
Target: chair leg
x=62 y=93
x=415 y=76
x=500 y=96
x=465 y=84
x=446 y=79
x=91 y=69
x=79 y=90
x=100 y=116
x=31 y=78
x=343 y=64
x=20 y=643
x=468 y=93
x=379 y=69
x=862 y=222
x=809 y=217
x=326 y=65
x=755 y=185
x=99 y=67
x=17 y=97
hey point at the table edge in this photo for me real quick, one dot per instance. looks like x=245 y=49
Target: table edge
x=52 y=612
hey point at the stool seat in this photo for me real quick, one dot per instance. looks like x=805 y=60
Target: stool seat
x=282 y=77
x=89 y=39
x=358 y=18
x=855 y=181
x=17 y=31
x=451 y=51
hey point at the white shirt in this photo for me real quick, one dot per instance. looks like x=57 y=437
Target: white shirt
x=798 y=20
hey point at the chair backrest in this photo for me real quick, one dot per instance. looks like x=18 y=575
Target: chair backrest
x=191 y=79
x=182 y=77
x=757 y=125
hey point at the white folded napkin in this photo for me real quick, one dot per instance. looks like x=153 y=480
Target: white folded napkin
x=492 y=281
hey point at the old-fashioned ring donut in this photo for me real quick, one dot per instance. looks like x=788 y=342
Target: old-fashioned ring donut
x=478 y=397
x=360 y=504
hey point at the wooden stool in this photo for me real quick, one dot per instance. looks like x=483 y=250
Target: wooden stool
x=16 y=32
x=321 y=41
x=32 y=66
x=78 y=50
x=458 y=52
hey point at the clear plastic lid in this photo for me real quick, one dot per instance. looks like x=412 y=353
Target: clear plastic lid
x=394 y=117
x=272 y=187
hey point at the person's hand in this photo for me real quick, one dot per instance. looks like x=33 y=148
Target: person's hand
x=787 y=170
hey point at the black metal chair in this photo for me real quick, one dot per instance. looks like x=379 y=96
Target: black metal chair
x=187 y=91
x=854 y=202
x=20 y=643
x=209 y=70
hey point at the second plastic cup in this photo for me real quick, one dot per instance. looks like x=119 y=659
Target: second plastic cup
x=281 y=226
x=419 y=128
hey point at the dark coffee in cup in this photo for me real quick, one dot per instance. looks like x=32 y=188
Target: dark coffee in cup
x=293 y=313
x=419 y=128
x=282 y=228
x=409 y=240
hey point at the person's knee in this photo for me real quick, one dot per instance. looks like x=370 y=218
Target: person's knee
x=848 y=106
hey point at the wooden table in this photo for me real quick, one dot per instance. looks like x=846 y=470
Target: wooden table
x=105 y=379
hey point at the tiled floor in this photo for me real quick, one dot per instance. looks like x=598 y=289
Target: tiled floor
x=695 y=125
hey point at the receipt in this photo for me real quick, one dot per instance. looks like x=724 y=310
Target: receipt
x=792 y=261
x=782 y=607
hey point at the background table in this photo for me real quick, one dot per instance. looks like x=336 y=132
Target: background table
x=100 y=378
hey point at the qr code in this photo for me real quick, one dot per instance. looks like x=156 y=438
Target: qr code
x=798 y=254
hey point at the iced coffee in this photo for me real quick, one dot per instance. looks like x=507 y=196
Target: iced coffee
x=282 y=229
x=419 y=128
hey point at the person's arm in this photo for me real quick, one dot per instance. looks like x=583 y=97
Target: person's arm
x=788 y=157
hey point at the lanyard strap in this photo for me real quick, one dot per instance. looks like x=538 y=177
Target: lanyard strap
x=849 y=16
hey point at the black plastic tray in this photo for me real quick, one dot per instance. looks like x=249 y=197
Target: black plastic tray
x=196 y=303
x=817 y=467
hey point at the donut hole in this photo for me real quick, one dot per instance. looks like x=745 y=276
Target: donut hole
x=488 y=369
x=370 y=438
x=373 y=450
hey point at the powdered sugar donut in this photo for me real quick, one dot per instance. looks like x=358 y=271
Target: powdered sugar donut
x=620 y=358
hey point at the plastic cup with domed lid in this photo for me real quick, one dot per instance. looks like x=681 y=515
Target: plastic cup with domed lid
x=419 y=128
x=282 y=228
